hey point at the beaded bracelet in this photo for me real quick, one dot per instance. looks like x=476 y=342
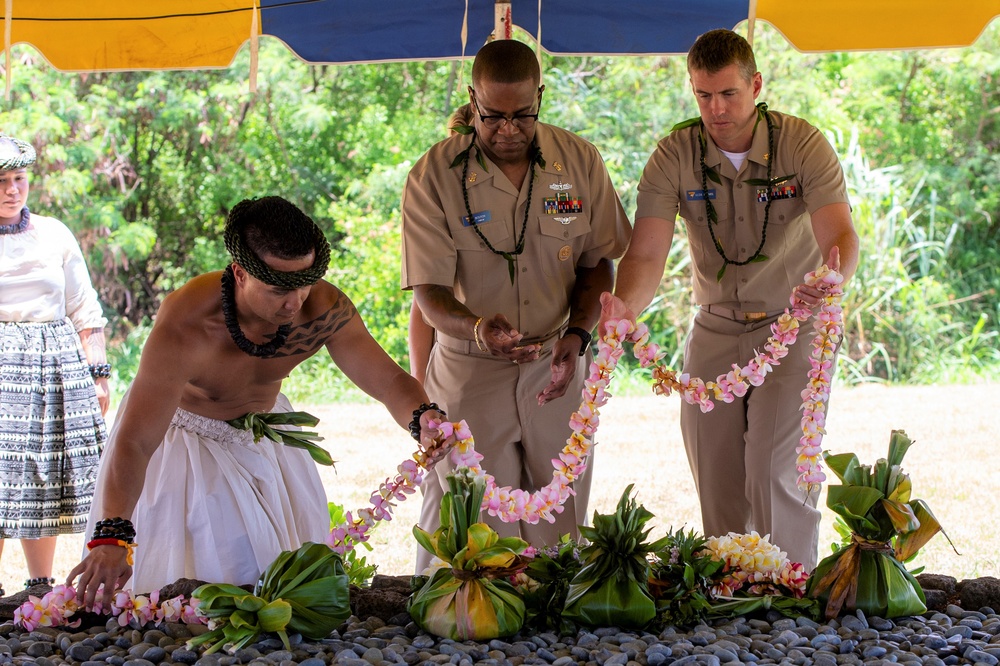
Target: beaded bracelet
x=127 y=545
x=42 y=580
x=417 y=413
x=114 y=528
x=99 y=370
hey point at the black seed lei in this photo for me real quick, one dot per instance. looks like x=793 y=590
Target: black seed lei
x=233 y=325
x=536 y=158
x=713 y=217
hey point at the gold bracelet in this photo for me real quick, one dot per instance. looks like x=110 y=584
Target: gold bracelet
x=475 y=332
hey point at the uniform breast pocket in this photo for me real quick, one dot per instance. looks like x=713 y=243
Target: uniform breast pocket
x=695 y=212
x=495 y=231
x=787 y=204
x=785 y=211
x=478 y=267
x=696 y=217
x=562 y=239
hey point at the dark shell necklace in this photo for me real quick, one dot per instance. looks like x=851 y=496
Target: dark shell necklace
x=233 y=325
x=10 y=229
x=511 y=255
x=713 y=218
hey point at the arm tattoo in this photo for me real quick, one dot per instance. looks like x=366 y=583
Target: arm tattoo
x=94 y=342
x=308 y=337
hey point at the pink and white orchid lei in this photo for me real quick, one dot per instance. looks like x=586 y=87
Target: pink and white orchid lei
x=513 y=504
x=354 y=530
x=56 y=607
x=509 y=504
x=829 y=327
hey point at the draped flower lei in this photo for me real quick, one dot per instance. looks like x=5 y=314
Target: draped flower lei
x=828 y=325
x=513 y=504
x=59 y=605
x=507 y=503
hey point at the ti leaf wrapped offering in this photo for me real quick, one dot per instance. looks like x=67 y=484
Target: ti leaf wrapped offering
x=470 y=599
x=612 y=588
x=303 y=591
x=885 y=528
x=682 y=575
x=544 y=583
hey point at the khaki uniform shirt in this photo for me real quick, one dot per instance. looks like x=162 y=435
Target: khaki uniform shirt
x=672 y=183
x=575 y=219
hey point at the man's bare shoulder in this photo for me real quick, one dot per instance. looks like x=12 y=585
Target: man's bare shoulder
x=192 y=305
x=325 y=312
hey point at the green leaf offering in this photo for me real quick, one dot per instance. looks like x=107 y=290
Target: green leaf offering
x=303 y=591
x=886 y=528
x=612 y=588
x=471 y=599
x=544 y=584
x=681 y=577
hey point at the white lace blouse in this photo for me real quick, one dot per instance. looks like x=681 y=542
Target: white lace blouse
x=43 y=277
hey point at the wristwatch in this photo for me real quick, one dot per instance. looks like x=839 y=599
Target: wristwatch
x=583 y=335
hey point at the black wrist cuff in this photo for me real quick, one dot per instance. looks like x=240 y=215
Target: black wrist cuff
x=583 y=335
x=99 y=370
x=417 y=413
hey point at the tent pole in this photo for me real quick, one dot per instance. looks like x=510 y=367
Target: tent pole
x=751 y=20
x=502 y=26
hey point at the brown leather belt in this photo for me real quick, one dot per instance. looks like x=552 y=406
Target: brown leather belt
x=738 y=315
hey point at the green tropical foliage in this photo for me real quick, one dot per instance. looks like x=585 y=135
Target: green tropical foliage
x=304 y=591
x=145 y=166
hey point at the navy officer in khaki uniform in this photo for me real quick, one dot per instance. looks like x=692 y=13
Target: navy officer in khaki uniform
x=509 y=233
x=764 y=201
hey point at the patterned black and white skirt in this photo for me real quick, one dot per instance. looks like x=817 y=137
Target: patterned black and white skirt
x=51 y=431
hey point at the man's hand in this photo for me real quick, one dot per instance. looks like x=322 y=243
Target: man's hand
x=612 y=307
x=564 y=358
x=104 y=564
x=503 y=340
x=434 y=450
x=806 y=296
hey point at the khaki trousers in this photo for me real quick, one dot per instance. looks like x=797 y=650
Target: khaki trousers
x=518 y=437
x=742 y=454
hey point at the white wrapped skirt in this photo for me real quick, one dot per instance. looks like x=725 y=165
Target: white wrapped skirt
x=218 y=507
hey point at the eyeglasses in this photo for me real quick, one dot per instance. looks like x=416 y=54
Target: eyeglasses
x=520 y=121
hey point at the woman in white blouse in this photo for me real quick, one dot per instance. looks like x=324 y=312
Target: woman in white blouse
x=53 y=374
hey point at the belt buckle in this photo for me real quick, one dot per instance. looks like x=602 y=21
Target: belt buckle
x=754 y=316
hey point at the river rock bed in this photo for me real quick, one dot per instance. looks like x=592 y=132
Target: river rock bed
x=955 y=634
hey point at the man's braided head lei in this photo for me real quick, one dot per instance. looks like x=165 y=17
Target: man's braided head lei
x=276 y=226
x=15 y=154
